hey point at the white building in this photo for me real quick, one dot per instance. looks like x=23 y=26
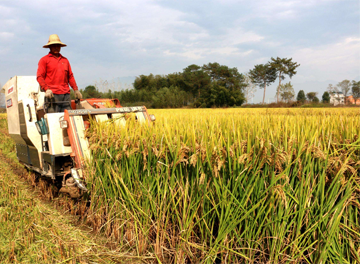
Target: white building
x=337 y=98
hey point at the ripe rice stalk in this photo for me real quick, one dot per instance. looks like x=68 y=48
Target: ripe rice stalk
x=232 y=185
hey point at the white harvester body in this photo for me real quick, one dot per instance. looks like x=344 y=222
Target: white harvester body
x=54 y=144
x=24 y=106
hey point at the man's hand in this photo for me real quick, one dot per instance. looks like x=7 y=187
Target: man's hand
x=49 y=94
x=78 y=95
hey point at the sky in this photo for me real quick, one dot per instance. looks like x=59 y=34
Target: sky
x=117 y=40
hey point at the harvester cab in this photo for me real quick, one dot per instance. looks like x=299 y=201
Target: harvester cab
x=55 y=145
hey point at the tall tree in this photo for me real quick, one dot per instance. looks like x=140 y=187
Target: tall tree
x=219 y=84
x=301 y=96
x=262 y=75
x=345 y=87
x=326 y=97
x=195 y=79
x=176 y=79
x=287 y=92
x=142 y=82
x=332 y=89
x=230 y=78
x=283 y=67
x=312 y=96
x=91 y=92
x=355 y=90
x=220 y=96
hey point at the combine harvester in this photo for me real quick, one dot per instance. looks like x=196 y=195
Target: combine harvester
x=54 y=144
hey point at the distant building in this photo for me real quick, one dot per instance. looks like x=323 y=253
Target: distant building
x=337 y=98
x=351 y=100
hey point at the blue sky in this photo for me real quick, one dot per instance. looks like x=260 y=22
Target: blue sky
x=118 y=40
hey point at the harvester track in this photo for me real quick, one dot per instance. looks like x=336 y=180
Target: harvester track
x=45 y=190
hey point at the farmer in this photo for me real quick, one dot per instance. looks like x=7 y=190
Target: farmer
x=54 y=75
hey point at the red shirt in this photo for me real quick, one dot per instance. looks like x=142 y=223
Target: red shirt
x=55 y=74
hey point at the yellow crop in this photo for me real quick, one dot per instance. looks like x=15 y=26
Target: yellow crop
x=231 y=185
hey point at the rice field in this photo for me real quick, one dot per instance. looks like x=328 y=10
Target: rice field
x=230 y=185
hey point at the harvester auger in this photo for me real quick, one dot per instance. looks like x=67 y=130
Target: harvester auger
x=54 y=145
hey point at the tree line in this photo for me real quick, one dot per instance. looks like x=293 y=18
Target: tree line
x=210 y=85
x=346 y=87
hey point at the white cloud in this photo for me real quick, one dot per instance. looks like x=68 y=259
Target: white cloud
x=237 y=35
x=6 y=36
x=284 y=9
x=352 y=40
x=337 y=61
x=196 y=54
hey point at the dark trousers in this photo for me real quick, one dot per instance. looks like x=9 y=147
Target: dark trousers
x=58 y=104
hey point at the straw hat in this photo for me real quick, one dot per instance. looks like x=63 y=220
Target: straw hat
x=54 y=39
